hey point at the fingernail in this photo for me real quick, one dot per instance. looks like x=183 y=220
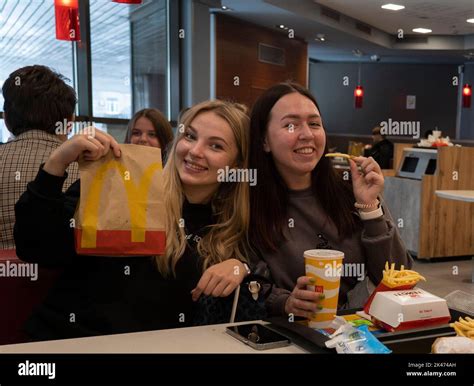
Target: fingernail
x=312 y=280
x=320 y=307
x=322 y=296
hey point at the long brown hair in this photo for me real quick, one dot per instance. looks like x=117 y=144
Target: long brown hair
x=162 y=127
x=228 y=237
x=269 y=199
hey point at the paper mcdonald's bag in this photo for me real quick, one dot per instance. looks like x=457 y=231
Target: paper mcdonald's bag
x=121 y=209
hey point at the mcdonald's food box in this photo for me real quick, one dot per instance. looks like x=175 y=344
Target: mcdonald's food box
x=121 y=210
x=407 y=309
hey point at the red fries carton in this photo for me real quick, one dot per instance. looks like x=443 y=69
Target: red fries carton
x=394 y=279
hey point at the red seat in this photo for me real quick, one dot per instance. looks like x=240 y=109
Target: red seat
x=19 y=296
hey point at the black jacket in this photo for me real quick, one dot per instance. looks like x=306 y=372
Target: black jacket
x=382 y=152
x=98 y=295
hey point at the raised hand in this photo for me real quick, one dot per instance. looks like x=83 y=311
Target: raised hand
x=368 y=183
x=89 y=147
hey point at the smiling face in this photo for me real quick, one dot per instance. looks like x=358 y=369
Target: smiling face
x=208 y=144
x=296 y=139
x=143 y=133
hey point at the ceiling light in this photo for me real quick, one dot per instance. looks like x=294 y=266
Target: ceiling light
x=393 y=7
x=470 y=20
x=320 y=37
x=282 y=26
x=422 y=30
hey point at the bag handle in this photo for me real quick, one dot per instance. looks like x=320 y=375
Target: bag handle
x=234 y=305
x=254 y=289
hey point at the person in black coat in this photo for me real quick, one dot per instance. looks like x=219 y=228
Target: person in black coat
x=381 y=149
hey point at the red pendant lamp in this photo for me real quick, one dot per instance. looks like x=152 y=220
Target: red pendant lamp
x=466 y=96
x=358 y=97
x=67 y=20
x=128 y=1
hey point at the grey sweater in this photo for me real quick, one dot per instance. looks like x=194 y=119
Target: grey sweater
x=365 y=252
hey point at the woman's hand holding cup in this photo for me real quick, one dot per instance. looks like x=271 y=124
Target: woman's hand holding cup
x=302 y=302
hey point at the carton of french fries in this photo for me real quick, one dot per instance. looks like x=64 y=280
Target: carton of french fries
x=397 y=305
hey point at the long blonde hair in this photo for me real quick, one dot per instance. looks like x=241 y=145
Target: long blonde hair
x=228 y=237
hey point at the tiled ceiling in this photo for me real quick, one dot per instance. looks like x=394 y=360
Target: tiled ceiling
x=443 y=17
x=343 y=37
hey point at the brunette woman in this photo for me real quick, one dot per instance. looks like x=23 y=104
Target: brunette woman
x=301 y=203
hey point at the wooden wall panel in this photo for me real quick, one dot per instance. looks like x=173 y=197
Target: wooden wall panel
x=447 y=226
x=237 y=55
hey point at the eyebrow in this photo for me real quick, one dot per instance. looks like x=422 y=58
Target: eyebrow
x=211 y=138
x=297 y=116
x=136 y=128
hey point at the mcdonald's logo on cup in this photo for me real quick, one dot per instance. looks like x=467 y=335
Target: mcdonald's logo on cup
x=121 y=209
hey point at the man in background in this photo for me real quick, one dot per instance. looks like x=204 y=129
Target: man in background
x=37 y=103
x=381 y=149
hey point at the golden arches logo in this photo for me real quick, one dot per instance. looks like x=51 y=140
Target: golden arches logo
x=136 y=207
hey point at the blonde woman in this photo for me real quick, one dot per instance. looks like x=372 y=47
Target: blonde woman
x=207 y=223
x=207 y=220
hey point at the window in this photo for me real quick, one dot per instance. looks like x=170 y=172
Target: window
x=4 y=133
x=128 y=53
x=28 y=36
x=117 y=131
x=128 y=50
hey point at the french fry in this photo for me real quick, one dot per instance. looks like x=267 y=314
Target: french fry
x=464 y=322
x=407 y=278
x=458 y=331
x=342 y=155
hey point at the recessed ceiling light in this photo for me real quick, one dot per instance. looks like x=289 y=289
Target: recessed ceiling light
x=281 y=26
x=393 y=7
x=422 y=30
x=470 y=20
x=226 y=8
x=320 y=37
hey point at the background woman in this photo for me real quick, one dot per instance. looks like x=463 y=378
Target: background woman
x=149 y=127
